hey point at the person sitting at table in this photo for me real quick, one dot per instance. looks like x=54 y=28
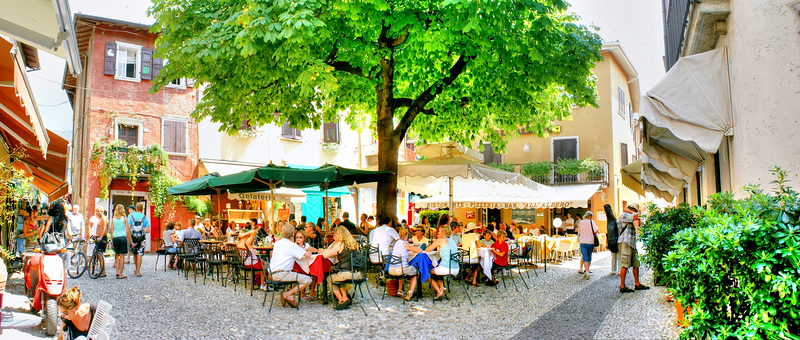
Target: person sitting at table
x=471 y=243
x=447 y=266
x=169 y=243
x=509 y=233
x=500 y=251
x=382 y=237
x=400 y=249
x=419 y=238
x=343 y=244
x=284 y=255
x=487 y=240
x=246 y=239
x=313 y=237
x=320 y=227
x=300 y=240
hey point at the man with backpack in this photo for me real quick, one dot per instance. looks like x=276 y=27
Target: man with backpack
x=627 y=247
x=139 y=223
x=612 y=238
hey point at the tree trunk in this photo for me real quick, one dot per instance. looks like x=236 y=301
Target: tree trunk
x=388 y=142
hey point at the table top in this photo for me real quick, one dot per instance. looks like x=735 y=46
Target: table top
x=210 y=241
x=262 y=248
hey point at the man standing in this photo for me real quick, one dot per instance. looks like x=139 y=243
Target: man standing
x=629 y=257
x=76 y=227
x=347 y=224
x=569 y=224
x=139 y=224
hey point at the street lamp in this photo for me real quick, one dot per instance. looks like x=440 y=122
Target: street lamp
x=526 y=148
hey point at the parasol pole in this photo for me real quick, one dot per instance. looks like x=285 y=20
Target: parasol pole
x=451 y=196
x=272 y=207
x=325 y=205
x=219 y=212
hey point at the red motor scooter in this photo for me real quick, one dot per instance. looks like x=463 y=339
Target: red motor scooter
x=45 y=279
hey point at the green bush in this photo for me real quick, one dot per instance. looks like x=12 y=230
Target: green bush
x=433 y=215
x=504 y=166
x=537 y=171
x=658 y=232
x=739 y=269
x=569 y=166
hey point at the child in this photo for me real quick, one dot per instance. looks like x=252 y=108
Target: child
x=500 y=250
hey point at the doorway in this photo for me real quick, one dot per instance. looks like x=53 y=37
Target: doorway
x=128 y=198
x=493 y=215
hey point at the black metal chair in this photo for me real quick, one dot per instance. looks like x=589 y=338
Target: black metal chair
x=374 y=252
x=517 y=257
x=214 y=259
x=389 y=261
x=235 y=264
x=161 y=251
x=188 y=254
x=447 y=279
x=276 y=285
x=243 y=255
x=359 y=262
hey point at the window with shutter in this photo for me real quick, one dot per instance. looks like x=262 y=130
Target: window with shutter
x=289 y=132
x=623 y=154
x=129 y=62
x=621 y=99
x=128 y=133
x=109 y=67
x=174 y=135
x=147 y=64
x=489 y=156
x=331 y=132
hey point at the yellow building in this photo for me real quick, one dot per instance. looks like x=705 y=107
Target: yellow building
x=606 y=134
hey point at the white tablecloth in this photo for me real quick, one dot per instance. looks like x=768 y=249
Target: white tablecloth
x=306 y=262
x=487 y=257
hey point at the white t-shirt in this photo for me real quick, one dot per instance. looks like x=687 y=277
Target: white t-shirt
x=75 y=223
x=93 y=222
x=284 y=254
x=382 y=238
x=400 y=250
x=569 y=224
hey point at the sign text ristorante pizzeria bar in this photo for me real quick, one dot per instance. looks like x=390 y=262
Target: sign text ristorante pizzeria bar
x=504 y=205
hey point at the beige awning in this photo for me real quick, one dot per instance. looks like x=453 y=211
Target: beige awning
x=693 y=100
x=632 y=178
x=44 y=24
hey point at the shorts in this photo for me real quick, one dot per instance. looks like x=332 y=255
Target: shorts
x=586 y=251
x=407 y=271
x=256 y=266
x=120 y=245
x=100 y=246
x=172 y=250
x=288 y=276
x=444 y=271
x=343 y=278
x=628 y=256
x=138 y=248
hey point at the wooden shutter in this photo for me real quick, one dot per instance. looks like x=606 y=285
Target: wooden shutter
x=565 y=149
x=623 y=154
x=109 y=67
x=169 y=136
x=180 y=137
x=487 y=153
x=157 y=65
x=287 y=131
x=147 y=63
x=331 y=132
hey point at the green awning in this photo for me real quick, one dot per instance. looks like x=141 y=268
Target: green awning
x=272 y=176
x=196 y=187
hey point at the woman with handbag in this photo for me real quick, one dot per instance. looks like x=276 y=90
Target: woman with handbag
x=587 y=236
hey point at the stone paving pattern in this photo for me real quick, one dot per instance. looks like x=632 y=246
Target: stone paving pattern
x=559 y=304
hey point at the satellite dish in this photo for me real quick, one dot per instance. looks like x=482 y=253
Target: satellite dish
x=557 y=222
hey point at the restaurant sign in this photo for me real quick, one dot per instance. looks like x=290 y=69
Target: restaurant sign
x=505 y=205
x=256 y=196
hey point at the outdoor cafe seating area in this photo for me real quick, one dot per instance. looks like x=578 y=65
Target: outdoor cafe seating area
x=219 y=261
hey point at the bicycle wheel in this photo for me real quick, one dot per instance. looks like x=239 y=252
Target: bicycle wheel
x=96 y=266
x=77 y=265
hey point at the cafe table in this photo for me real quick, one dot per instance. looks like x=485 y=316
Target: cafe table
x=486 y=258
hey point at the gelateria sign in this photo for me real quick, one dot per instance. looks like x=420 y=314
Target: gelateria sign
x=505 y=205
x=257 y=196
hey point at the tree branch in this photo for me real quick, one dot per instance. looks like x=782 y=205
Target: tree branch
x=342 y=66
x=402 y=102
x=418 y=105
x=402 y=38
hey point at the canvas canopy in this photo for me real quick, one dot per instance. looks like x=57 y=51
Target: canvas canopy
x=482 y=194
x=632 y=178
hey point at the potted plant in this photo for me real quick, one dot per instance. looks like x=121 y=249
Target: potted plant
x=537 y=171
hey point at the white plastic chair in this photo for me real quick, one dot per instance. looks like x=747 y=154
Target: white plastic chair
x=563 y=247
x=102 y=322
x=602 y=238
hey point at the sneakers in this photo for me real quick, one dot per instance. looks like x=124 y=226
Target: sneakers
x=585 y=276
x=263 y=287
x=625 y=290
x=580 y=271
x=641 y=287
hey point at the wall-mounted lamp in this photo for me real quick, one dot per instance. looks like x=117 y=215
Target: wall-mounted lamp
x=526 y=147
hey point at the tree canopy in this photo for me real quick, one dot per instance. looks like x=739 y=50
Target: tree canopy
x=453 y=69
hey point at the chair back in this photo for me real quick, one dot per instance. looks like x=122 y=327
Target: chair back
x=358 y=260
x=212 y=252
x=100 y=320
x=190 y=245
x=455 y=257
x=392 y=260
x=243 y=253
x=374 y=253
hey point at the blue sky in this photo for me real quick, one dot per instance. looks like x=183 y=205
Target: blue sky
x=636 y=24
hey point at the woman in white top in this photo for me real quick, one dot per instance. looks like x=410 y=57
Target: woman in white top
x=586 y=231
x=419 y=237
x=401 y=249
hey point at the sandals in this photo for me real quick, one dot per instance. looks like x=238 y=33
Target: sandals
x=408 y=296
x=640 y=287
x=122 y=277
x=625 y=290
x=291 y=303
x=476 y=284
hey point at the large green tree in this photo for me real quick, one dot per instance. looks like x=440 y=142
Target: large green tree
x=454 y=69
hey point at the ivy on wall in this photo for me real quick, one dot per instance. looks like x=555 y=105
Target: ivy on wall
x=117 y=160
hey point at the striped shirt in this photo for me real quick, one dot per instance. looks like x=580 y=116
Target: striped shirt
x=629 y=235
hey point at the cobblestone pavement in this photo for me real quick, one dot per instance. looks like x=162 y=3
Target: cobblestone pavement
x=165 y=305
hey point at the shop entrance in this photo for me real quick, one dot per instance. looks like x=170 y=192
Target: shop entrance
x=128 y=198
x=493 y=215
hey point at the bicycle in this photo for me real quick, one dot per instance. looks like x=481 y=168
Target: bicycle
x=77 y=262
x=97 y=263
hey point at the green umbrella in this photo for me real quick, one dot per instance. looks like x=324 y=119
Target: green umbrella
x=270 y=177
x=196 y=187
x=347 y=176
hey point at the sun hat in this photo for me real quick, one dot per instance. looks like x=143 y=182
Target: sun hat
x=634 y=206
x=470 y=227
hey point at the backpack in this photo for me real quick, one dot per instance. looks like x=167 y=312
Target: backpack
x=137 y=230
x=613 y=229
